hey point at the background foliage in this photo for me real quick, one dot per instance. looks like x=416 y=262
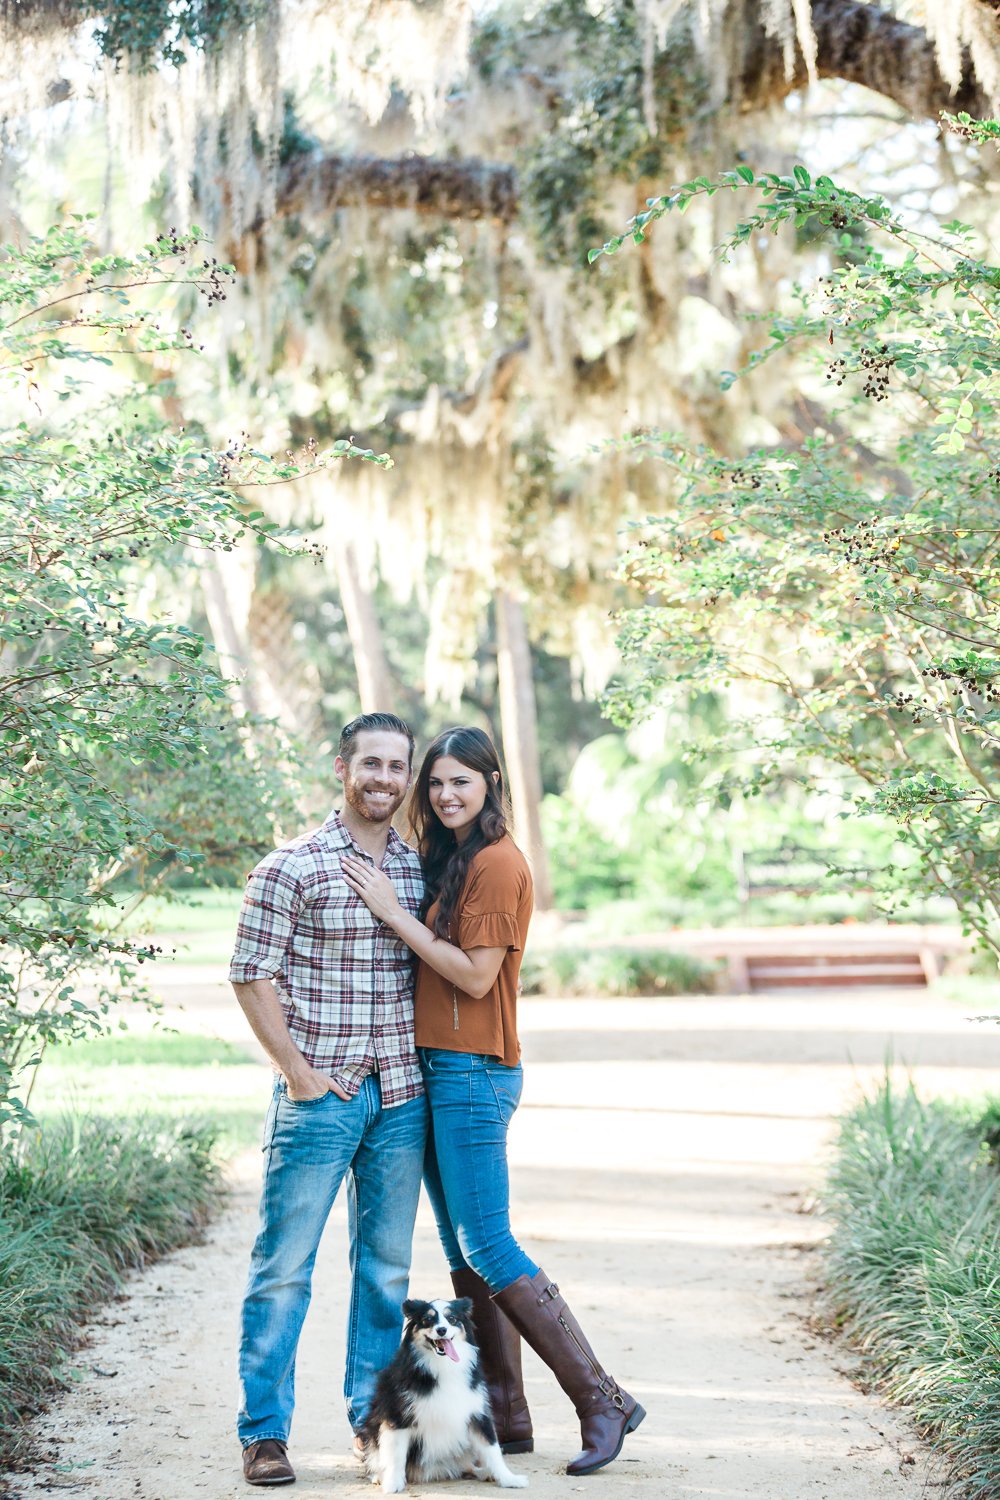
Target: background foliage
x=120 y=756
x=842 y=596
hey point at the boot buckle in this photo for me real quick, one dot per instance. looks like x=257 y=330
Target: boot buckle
x=549 y=1293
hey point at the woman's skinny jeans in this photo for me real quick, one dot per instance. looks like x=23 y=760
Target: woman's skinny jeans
x=472 y=1099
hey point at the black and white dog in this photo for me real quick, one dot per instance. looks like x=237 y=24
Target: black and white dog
x=430 y=1418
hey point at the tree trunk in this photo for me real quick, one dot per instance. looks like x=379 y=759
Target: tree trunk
x=519 y=722
x=227 y=587
x=375 y=685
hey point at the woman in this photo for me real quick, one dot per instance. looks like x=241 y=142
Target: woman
x=475 y=920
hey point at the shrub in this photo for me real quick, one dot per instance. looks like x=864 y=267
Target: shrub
x=912 y=1269
x=81 y=1203
x=120 y=757
x=840 y=589
x=616 y=971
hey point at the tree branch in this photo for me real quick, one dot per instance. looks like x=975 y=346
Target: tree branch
x=856 y=42
x=451 y=189
x=861 y=44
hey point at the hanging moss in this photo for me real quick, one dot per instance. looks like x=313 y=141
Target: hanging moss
x=613 y=113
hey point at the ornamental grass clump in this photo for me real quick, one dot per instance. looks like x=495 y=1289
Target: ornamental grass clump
x=913 y=1270
x=81 y=1203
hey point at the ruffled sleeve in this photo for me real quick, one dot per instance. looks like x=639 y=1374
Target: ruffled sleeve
x=490 y=929
x=499 y=884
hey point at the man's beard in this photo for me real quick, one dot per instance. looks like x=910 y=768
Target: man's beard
x=372 y=812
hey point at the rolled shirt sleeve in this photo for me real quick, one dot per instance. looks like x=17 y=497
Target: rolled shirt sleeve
x=271 y=902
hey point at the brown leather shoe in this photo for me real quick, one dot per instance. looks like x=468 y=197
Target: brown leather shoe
x=266 y=1462
x=607 y=1413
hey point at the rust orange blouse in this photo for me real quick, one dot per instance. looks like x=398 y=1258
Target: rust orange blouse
x=494 y=911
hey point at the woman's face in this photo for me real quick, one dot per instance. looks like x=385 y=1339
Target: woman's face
x=457 y=794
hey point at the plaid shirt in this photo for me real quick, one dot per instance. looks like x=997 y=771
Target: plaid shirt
x=344 y=979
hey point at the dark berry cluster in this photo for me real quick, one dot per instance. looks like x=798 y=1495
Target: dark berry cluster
x=876 y=364
x=170 y=243
x=740 y=478
x=231 y=458
x=836 y=370
x=150 y=950
x=212 y=285
x=864 y=548
x=986 y=688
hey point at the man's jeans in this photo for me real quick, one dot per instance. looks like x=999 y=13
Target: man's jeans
x=309 y=1148
x=472 y=1100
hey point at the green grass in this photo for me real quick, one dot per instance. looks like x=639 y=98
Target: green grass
x=82 y=1202
x=977 y=996
x=180 y=1076
x=913 y=1269
x=197 y=926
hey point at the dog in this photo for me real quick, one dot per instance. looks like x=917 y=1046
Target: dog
x=430 y=1417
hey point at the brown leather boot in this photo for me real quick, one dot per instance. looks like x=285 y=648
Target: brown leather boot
x=607 y=1413
x=500 y=1352
x=266 y=1462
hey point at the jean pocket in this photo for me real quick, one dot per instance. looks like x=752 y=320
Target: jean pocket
x=437 y=1060
x=306 y=1103
x=506 y=1086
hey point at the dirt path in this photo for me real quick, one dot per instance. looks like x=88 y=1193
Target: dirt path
x=661 y=1157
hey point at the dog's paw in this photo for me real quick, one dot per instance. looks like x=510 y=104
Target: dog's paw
x=514 y=1482
x=393 y=1487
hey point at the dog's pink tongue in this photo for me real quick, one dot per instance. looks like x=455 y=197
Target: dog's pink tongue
x=449 y=1349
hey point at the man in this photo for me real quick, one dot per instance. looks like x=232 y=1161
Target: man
x=328 y=991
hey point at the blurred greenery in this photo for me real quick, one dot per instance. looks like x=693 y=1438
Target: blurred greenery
x=612 y=970
x=650 y=832
x=181 y=1077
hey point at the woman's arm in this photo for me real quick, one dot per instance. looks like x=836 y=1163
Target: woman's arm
x=473 y=971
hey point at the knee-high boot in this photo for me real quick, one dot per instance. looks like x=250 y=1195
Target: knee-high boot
x=607 y=1413
x=500 y=1352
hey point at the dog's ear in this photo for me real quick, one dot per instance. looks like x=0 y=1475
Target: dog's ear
x=414 y=1309
x=462 y=1306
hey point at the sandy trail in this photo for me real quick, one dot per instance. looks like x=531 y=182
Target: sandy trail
x=661 y=1158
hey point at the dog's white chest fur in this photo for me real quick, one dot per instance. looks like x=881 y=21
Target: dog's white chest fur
x=442 y=1417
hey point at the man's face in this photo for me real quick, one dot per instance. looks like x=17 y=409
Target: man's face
x=377 y=775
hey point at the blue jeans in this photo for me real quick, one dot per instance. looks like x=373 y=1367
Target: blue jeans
x=472 y=1100
x=309 y=1148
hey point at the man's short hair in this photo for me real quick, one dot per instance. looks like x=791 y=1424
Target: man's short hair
x=386 y=723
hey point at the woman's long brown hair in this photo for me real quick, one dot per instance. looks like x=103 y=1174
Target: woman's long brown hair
x=446 y=861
